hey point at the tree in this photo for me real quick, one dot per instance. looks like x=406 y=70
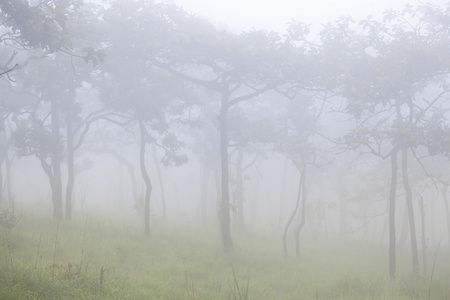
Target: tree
x=236 y=68
x=296 y=142
x=392 y=69
x=137 y=91
x=44 y=31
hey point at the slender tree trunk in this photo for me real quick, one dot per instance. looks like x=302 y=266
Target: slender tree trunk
x=303 y=212
x=404 y=228
x=2 y=196
x=70 y=164
x=8 y=191
x=433 y=219
x=161 y=182
x=294 y=213
x=148 y=184
x=283 y=188
x=57 y=198
x=409 y=202
x=203 y=195
x=343 y=211
x=3 y=152
x=447 y=210
x=424 y=240
x=255 y=199
x=130 y=171
x=392 y=196
x=224 y=207
x=240 y=189
x=217 y=183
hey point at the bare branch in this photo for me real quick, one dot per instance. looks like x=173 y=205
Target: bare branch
x=7 y=71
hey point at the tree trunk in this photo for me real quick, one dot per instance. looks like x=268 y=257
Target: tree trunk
x=148 y=184
x=343 y=211
x=283 y=188
x=255 y=199
x=224 y=206
x=404 y=228
x=447 y=210
x=240 y=189
x=203 y=195
x=424 y=240
x=303 y=212
x=130 y=171
x=57 y=198
x=161 y=183
x=70 y=163
x=7 y=188
x=294 y=213
x=409 y=203
x=392 y=196
x=3 y=152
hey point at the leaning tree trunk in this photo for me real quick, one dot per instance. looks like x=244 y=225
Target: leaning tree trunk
x=294 y=213
x=56 y=185
x=224 y=206
x=392 y=196
x=303 y=212
x=409 y=203
x=148 y=184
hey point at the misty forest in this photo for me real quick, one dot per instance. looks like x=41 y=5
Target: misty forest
x=147 y=153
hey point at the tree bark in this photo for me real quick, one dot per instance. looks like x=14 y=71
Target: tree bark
x=145 y=176
x=56 y=162
x=224 y=206
x=3 y=152
x=424 y=240
x=404 y=228
x=447 y=210
x=70 y=163
x=161 y=183
x=240 y=189
x=283 y=188
x=302 y=223
x=409 y=203
x=294 y=213
x=343 y=211
x=392 y=196
x=203 y=195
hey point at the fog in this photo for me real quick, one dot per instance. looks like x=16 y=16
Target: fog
x=299 y=124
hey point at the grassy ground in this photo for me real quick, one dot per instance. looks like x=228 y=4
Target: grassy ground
x=107 y=260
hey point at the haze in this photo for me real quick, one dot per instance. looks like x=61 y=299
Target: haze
x=224 y=149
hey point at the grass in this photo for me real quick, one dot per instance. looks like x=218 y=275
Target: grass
x=106 y=260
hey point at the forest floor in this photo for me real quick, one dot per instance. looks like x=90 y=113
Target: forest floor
x=93 y=259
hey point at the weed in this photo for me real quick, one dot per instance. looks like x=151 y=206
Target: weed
x=189 y=264
x=237 y=294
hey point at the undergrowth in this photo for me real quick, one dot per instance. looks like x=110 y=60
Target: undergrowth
x=103 y=260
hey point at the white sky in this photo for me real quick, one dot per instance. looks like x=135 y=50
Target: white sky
x=239 y=15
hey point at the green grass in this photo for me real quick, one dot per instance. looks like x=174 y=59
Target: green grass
x=40 y=261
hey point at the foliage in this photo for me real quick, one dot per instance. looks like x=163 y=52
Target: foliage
x=41 y=26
